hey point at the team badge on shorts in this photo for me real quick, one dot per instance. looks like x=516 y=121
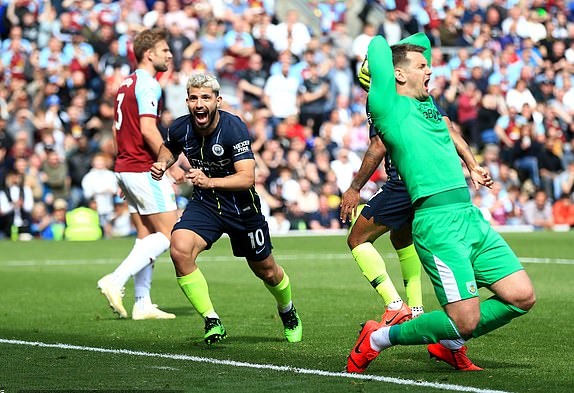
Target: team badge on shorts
x=217 y=150
x=471 y=287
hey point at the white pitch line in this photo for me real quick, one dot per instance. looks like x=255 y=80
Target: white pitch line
x=232 y=363
x=207 y=258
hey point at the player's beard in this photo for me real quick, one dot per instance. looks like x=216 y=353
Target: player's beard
x=161 y=67
x=205 y=122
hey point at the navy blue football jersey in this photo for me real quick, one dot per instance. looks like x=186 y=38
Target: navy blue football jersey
x=215 y=155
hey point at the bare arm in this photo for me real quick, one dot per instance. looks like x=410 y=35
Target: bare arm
x=371 y=161
x=150 y=132
x=478 y=175
x=165 y=159
x=242 y=179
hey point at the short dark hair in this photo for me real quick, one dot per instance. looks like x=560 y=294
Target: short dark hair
x=146 y=40
x=400 y=53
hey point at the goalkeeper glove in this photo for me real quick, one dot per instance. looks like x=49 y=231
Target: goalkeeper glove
x=364 y=76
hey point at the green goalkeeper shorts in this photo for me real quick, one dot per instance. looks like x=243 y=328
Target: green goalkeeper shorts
x=460 y=251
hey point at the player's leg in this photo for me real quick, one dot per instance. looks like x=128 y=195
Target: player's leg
x=360 y=241
x=251 y=239
x=155 y=245
x=145 y=197
x=389 y=209
x=112 y=285
x=195 y=232
x=446 y=259
x=498 y=268
x=410 y=267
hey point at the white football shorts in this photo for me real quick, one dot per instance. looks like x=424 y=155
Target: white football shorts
x=146 y=195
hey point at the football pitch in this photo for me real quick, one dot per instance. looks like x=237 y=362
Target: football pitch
x=58 y=334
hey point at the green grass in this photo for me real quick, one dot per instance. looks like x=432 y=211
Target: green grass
x=48 y=295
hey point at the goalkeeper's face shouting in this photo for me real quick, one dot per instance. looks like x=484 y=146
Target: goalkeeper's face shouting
x=417 y=75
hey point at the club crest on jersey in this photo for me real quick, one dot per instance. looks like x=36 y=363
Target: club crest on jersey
x=217 y=150
x=471 y=287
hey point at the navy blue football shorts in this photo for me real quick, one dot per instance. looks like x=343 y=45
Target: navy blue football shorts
x=391 y=206
x=249 y=236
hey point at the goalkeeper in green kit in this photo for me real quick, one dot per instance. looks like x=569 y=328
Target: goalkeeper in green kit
x=458 y=249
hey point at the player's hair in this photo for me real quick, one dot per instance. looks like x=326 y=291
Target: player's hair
x=146 y=40
x=203 y=80
x=400 y=53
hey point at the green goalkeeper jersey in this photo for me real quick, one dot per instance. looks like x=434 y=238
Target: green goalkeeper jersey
x=413 y=131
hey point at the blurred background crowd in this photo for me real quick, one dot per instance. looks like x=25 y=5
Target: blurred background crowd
x=502 y=70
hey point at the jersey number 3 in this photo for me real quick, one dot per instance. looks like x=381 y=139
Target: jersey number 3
x=119 y=116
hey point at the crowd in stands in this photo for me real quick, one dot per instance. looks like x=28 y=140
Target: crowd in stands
x=502 y=70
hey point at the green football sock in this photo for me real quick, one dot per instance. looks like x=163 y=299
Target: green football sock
x=494 y=313
x=425 y=329
x=373 y=267
x=282 y=292
x=195 y=288
x=411 y=270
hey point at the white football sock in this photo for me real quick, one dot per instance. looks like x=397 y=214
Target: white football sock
x=453 y=345
x=380 y=339
x=144 y=252
x=395 y=305
x=142 y=287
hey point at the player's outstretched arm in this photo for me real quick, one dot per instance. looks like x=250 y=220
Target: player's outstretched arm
x=371 y=161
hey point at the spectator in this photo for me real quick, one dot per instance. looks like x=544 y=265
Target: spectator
x=308 y=199
x=30 y=175
x=565 y=180
x=120 y=223
x=467 y=114
x=520 y=95
x=250 y=88
x=263 y=34
x=518 y=199
x=550 y=166
x=280 y=95
x=16 y=204
x=313 y=95
x=212 y=45
x=538 y=211
x=54 y=175
x=292 y=35
x=100 y=184
x=79 y=162
x=490 y=109
x=82 y=224
x=507 y=129
x=344 y=167
x=525 y=155
x=178 y=42
x=360 y=45
x=239 y=44
x=563 y=211
x=278 y=222
x=325 y=217
x=41 y=222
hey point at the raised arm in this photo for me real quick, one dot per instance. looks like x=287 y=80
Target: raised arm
x=382 y=92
